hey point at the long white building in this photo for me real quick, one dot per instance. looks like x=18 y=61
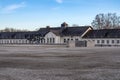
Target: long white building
x=48 y=35
x=63 y=34
x=81 y=35
x=103 y=37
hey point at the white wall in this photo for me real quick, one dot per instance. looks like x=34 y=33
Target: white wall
x=74 y=38
x=14 y=41
x=51 y=35
x=105 y=41
x=60 y=40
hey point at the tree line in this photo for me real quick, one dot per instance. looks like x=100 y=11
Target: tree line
x=106 y=21
x=12 y=30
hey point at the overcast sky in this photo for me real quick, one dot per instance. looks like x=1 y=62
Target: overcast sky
x=33 y=14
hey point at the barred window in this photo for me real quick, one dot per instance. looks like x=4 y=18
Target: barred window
x=113 y=41
x=76 y=39
x=53 y=40
x=102 y=41
x=64 y=40
x=118 y=41
x=98 y=41
x=108 y=42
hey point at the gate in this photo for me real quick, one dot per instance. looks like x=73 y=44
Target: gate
x=81 y=43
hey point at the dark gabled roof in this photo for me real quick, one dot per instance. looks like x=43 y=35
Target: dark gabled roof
x=44 y=31
x=68 y=31
x=74 y=31
x=16 y=35
x=59 y=31
x=103 y=33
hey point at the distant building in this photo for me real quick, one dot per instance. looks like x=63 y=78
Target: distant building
x=78 y=35
x=103 y=37
x=48 y=35
x=63 y=34
x=16 y=37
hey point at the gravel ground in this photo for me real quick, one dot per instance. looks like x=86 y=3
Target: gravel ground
x=40 y=63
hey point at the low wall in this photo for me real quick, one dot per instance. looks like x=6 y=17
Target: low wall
x=33 y=45
x=101 y=45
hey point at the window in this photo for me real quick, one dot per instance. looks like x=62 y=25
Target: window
x=64 y=40
x=53 y=40
x=102 y=41
x=98 y=41
x=47 y=40
x=50 y=40
x=68 y=39
x=107 y=41
x=19 y=41
x=7 y=41
x=113 y=41
x=76 y=39
x=118 y=41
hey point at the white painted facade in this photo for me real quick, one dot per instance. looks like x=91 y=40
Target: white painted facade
x=51 y=38
x=45 y=38
x=104 y=41
x=67 y=39
x=14 y=41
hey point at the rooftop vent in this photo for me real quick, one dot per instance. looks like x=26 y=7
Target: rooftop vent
x=64 y=24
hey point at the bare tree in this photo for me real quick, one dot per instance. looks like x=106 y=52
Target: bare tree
x=12 y=30
x=106 y=21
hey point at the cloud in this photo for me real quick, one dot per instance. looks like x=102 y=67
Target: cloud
x=13 y=7
x=59 y=1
